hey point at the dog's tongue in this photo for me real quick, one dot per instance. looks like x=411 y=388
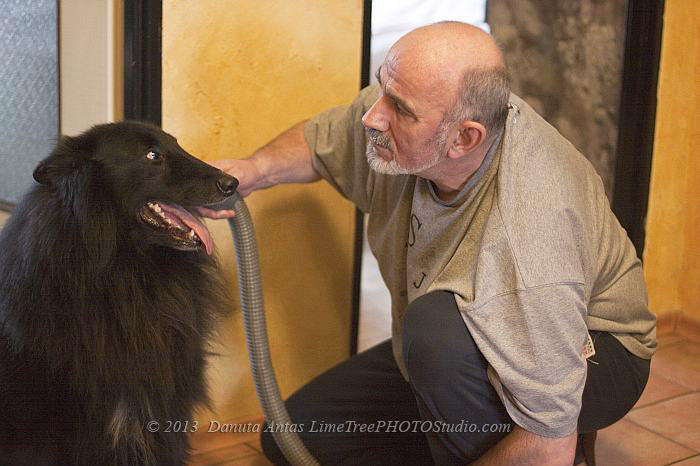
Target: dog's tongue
x=186 y=218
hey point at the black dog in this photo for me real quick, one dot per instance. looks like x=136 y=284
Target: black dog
x=107 y=295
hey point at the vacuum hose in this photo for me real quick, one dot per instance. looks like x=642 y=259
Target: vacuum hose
x=256 y=335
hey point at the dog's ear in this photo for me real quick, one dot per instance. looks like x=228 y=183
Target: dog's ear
x=68 y=156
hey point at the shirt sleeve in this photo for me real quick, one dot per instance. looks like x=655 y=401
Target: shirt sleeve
x=533 y=341
x=337 y=142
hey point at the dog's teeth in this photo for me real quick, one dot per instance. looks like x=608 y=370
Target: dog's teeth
x=155 y=208
x=191 y=234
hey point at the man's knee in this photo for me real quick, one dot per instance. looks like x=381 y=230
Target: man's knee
x=614 y=383
x=269 y=447
x=435 y=339
x=302 y=407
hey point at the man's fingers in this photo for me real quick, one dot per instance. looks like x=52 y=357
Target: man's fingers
x=215 y=214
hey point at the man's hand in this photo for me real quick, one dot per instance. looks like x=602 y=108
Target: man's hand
x=285 y=159
x=525 y=448
x=244 y=170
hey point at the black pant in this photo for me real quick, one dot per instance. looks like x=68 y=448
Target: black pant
x=448 y=389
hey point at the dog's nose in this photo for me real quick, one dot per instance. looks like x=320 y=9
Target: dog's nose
x=227 y=185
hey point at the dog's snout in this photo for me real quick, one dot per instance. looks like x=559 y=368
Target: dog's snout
x=227 y=185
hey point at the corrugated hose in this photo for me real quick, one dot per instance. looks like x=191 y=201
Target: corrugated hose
x=256 y=333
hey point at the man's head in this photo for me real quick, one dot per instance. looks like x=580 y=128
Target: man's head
x=444 y=97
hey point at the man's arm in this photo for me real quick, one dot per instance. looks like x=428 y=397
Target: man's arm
x=285 y=159
x=525 y=448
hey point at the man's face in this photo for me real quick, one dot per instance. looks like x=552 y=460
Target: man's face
x=404 y=130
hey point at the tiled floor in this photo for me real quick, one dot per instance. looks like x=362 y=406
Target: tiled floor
x=664 y=426
x=228 y=449
x=662 y=429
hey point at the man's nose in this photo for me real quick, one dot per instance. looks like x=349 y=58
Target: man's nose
x=376 y=116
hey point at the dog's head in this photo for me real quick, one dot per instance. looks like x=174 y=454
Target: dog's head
x=140 y=173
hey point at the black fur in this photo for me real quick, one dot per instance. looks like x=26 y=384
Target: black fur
x=103 y=321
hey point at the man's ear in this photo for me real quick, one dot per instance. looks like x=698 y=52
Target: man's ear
x=66 y=158
x=470 y=135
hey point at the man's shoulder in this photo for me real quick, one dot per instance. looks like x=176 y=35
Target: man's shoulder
x=532 y=139
x=548 y=196
x=539 y=164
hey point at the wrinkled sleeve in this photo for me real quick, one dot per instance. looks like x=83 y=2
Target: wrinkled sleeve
x=533 y=341
x=336 y=139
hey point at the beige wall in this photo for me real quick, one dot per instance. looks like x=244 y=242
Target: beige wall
x=235 y=74
x=672 y=252
x=91 y=47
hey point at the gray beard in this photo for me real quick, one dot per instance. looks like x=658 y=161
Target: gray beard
x=391 y=167
x=380 y=165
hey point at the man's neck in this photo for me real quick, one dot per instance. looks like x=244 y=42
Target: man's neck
x=450 y=176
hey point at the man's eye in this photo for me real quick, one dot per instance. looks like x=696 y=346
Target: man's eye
x=153 y=155
x=401 y=109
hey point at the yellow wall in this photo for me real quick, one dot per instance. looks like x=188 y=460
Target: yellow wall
x=672 y=251
x=235 y=74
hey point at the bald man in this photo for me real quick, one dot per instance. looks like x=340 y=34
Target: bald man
x=518 y=303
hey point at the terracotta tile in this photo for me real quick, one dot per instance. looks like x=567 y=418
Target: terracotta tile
x=233 y=452
x=679 y=363
x=677 y=419
x=694 y=461
x=203 y=440
x=659 y=388
x=625 y=443
x=255 y=444
x=257 y=460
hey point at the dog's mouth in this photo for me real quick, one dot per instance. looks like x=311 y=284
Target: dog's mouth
x=185 y=231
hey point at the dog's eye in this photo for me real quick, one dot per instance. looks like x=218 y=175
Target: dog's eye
x=152 y=155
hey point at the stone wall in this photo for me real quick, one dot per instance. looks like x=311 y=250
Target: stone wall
x=565 y=59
